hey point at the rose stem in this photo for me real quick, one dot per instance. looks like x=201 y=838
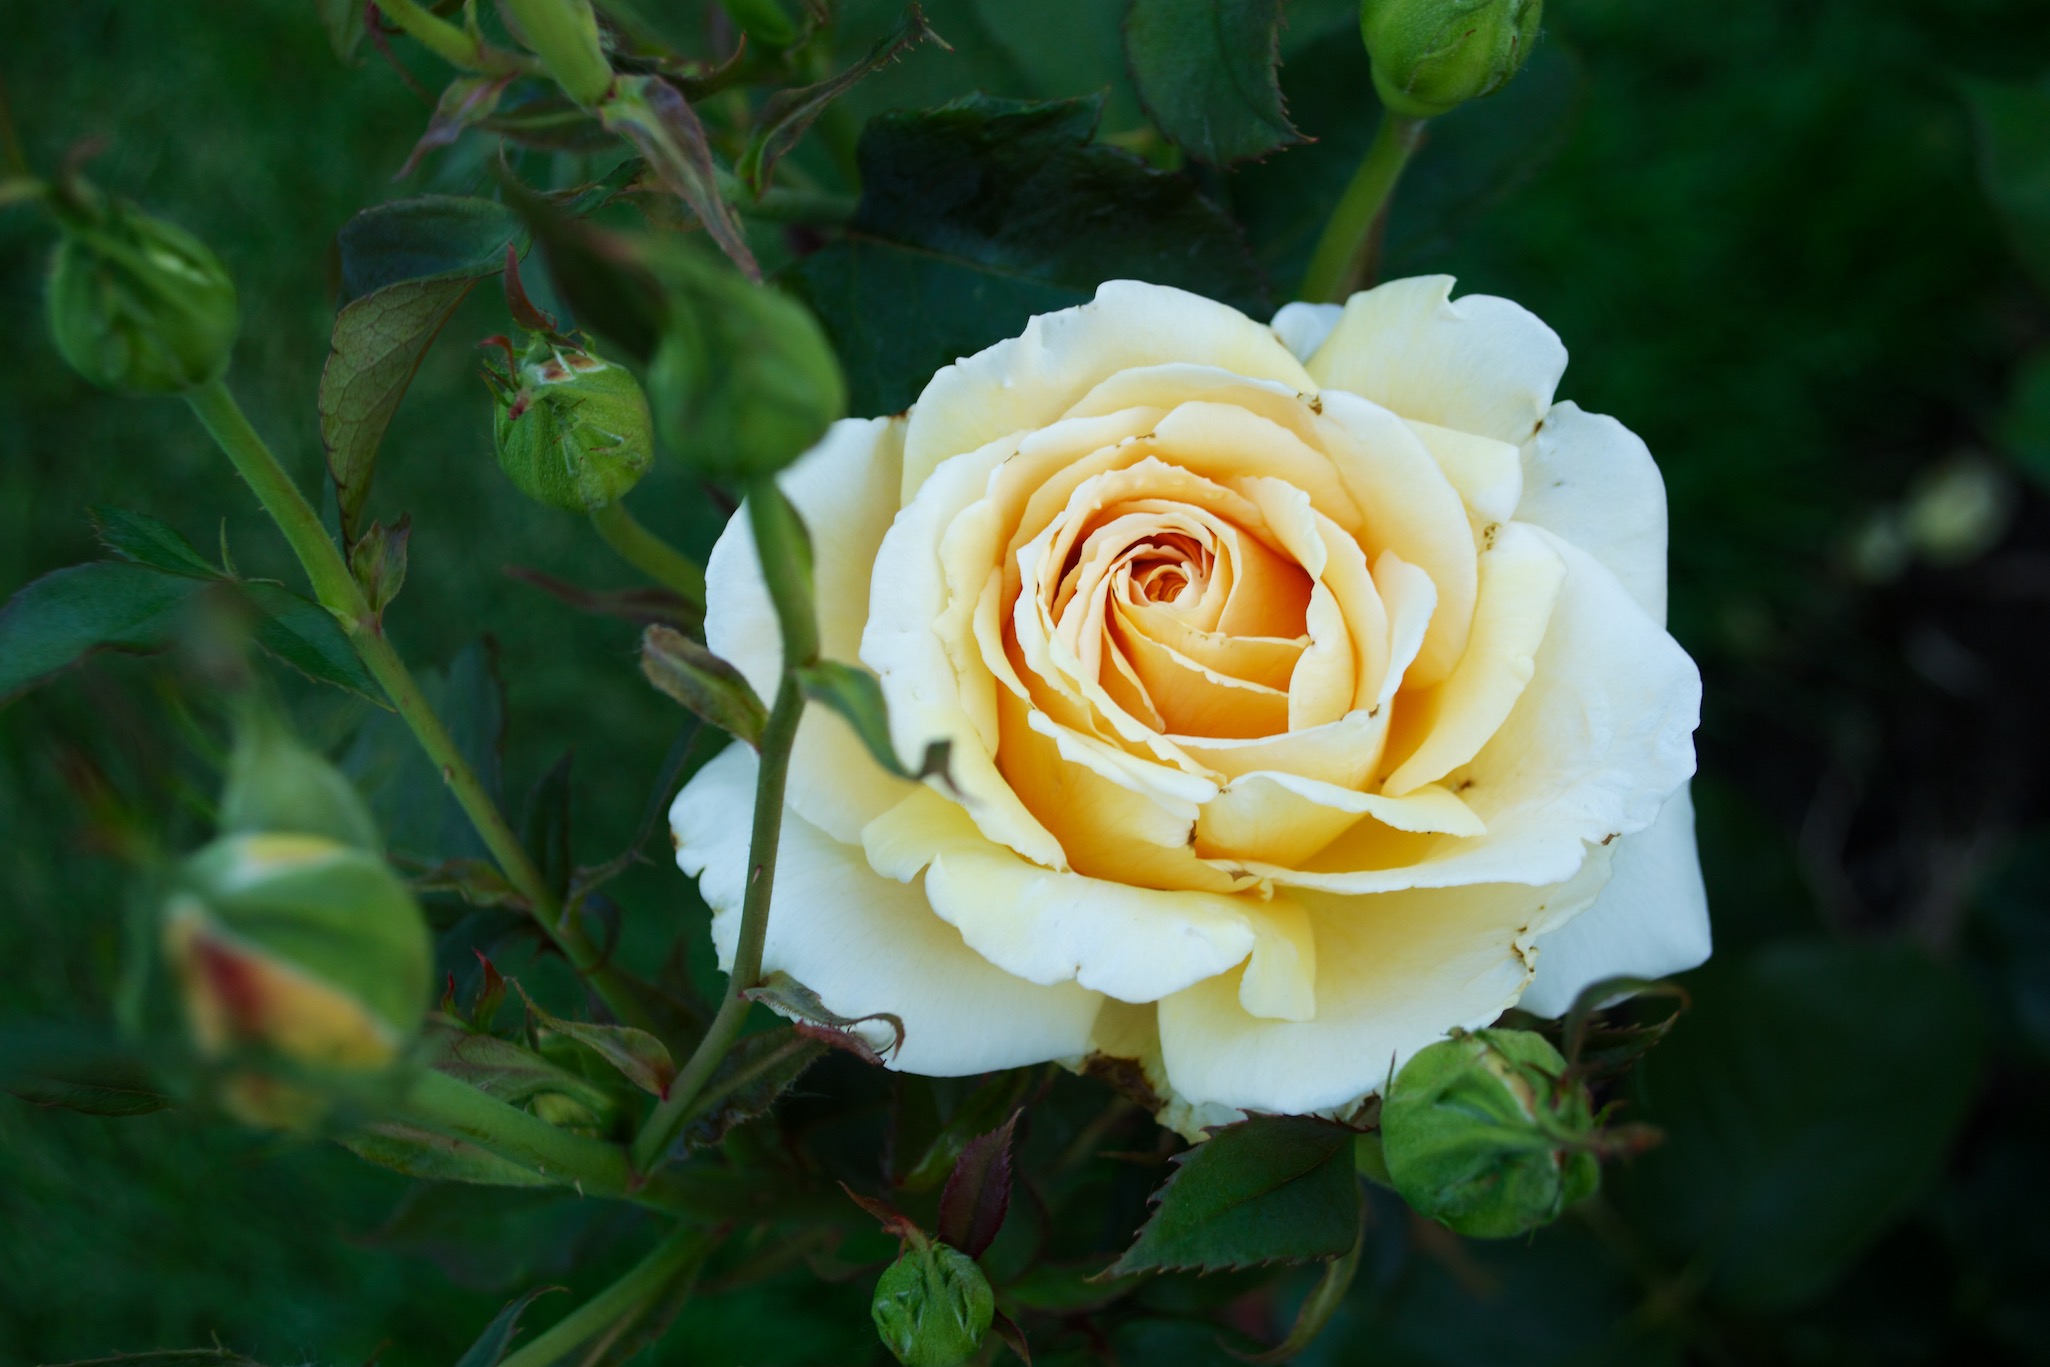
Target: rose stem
x=778 y=540
x=621 y=1305
x=649 y=553
x=450 y=42
x=339 y=593
x=1339 y=265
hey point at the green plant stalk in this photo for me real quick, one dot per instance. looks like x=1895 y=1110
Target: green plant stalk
x=450 y=1106
x=445 y=40
x=340 y=594
x=565 y=35
x=649 y=553
x=1338 y=266
x=788 y=579
x=619 y=1305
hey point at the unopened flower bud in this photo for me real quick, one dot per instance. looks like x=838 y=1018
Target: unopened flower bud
x=302 y=948
x=933 y=1306
x=135 y=303
x=1480 y=1134
x=277 y=784
x=744 y=381
x=1431 y=56
x=572 y=428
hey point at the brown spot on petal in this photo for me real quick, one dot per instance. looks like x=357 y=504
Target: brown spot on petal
x=1125 y=1077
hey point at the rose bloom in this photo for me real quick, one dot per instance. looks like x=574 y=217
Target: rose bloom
x=1308 y=691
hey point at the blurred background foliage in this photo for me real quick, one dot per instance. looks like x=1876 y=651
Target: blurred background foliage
x=1802 y=247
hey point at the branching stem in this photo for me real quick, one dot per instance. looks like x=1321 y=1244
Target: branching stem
x=340 y=594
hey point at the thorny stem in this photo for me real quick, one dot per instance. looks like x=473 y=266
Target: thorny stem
x=649 y=553
x=621 y=1305
x=1339 y=265
x=340 y=594
x=789 y=585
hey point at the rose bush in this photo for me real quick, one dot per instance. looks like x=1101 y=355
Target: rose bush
x=1308 y=692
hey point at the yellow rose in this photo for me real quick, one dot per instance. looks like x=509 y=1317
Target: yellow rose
x=1308 y=690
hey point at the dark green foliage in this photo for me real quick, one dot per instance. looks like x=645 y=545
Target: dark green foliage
x=977 y=216
x=1269 y=1189
x=1205 y=72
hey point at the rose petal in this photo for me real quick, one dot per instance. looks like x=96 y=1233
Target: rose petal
x=1394 y=972
x=1590 y=480
x=1599 y=739
x=1487 y=473
x=1030 y=380
x=1282 y=818
x=845 y=488
x=1520 y=579
x=1302 y=328
x=1651 y=920
x=1132 y=943
x=1279 y=981
x=865 y=943
x=1482 y=365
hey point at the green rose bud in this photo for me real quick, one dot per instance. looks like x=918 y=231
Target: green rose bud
x=932 y=1306
x=1431 y=56
x=135 y=303
x=564 y=34
x=301 y=947
x=744 y=381
x=572 y=429
x=275 y=783
x=1479 y=1134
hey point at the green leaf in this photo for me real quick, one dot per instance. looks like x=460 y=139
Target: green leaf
x=404 y=267
x=984 y=1109
x=73 y=1070
x=978 y=215
x=748 y=1082
x=507 y=1071
x=640 y=1058
x=1269 y=1189
x=306 y=636
x=978 y=1192
x=2014 y=163
x=146 y=541
x=545 y=825
x=1808 y=1100
x=58 y=620
x=1206 y=75
x=496 y=1340
x=788 y=114
x=856 y=695
x=712 y=689
x=435 y=1157
x=792 y=1000
x=653 y=115
x=464 y=102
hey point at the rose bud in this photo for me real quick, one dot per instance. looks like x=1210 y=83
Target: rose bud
x=301 y=947
x=932 y=1306
x=572 y=429
x=135 y=303
x=1481 y=1135
x=744 y=381
x=276 y=783
x=1431 y=56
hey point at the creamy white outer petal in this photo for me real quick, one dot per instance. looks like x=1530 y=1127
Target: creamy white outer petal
x=1651 y=920
x=1030 y=380
x=1482 y=365
x=1302 y=328
x=1393 y=973
x=1591 y=481
x=1136 y=944
x=867 y=944
x=845 y=488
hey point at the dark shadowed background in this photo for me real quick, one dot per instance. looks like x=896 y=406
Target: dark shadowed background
x=1790 y=243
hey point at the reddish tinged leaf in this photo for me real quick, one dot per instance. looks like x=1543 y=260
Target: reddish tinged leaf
x=653 y=115
x=1014 y=1337
x=978 y=1194
x=490 y=993
x=646 y=606
x=640 y=1058
x=892 y=1220
x=792 y=1000
x=468 y=100
x=518 y=304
